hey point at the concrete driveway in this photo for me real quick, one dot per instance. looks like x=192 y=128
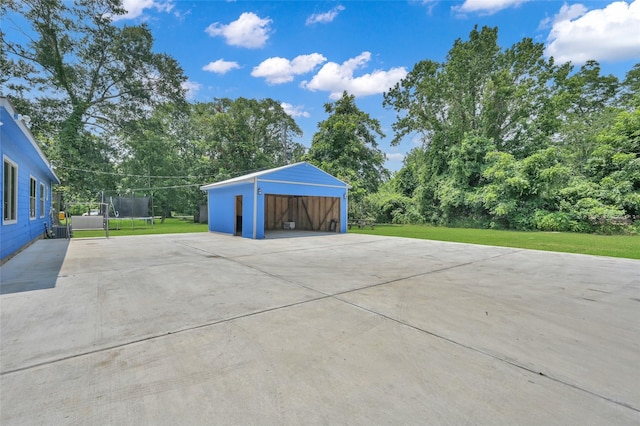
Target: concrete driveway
x=325 y=329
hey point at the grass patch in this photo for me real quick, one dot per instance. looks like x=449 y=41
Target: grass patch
x=601 y=245
x=121 y=227
x=626 y=246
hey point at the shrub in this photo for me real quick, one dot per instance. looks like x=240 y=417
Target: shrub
x=390 y=207
x=556 y=221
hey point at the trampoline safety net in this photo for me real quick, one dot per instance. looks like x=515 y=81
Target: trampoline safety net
x=130 y=207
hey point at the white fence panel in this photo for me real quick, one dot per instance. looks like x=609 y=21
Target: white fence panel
x=85 y=223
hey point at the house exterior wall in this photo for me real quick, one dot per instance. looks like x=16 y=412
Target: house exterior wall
x=16 y=147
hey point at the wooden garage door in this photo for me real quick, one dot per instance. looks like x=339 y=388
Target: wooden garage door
x=309 y=213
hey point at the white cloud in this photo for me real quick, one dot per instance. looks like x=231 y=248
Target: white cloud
x=278 y=70
x=336 y=78
x=192 y=88
x=325 y=18
x=295 y=111
x=249 y=30
x=221 y=66
x=608 y=34
x=395 y=156
x=135 y=8
x=486 y=6
x=430 y=4
x=565 y=13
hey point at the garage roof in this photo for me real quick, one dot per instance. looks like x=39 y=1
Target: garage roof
x=252 y=176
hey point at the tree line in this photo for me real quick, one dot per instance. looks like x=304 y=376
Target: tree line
x=510 y=139
x=507 y=137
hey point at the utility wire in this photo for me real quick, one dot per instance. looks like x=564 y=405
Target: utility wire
x=164 y=187
x=132 y=175
x=244 y=172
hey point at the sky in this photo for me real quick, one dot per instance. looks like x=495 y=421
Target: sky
x=306 y=53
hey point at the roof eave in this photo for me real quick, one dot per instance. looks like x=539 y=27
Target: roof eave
x=251 y=176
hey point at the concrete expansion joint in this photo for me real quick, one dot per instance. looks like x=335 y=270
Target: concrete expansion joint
x=421 y=274
x=210 y=324
x=158 y=336
x=300 y=249
x=471 y=335
x=494 y=356
x=210 y=253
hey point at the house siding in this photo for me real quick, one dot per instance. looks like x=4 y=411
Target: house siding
x=16 y=147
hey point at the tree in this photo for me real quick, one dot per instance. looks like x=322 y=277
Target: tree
x=630 y=98
x=406 y=180
x=584 y=103
x=479 y=90
x=346 y=146
x=233 y=137
x=156 y=160
x=516 y=192
x=481 y=99
x=615 y=164
x=91 y=75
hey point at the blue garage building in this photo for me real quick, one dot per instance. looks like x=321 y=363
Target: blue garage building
x=26 y=182
x=298 y=196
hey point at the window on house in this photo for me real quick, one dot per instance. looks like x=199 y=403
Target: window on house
x=41 y=199
x=9 y=191
x=32 y=198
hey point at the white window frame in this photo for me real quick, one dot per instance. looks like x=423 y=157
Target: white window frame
x=14 y=203
x=41 y=203
x=33 y=199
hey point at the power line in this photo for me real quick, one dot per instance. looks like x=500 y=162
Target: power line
x=164 y=187
x=100 y=172
x=240 y=173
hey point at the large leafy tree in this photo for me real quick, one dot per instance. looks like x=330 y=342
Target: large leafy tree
x=346 y=146
x=156 y=160
x=510 y=139
x=481 y=90
x=83 y=75
x=176 y=148
x=236 y=136
x=482 y=98
x=583 y=105
x=630 y=96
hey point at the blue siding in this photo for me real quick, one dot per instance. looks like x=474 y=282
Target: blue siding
x=222 y=209
x=260 y=214
x=301 y=179
x=15 y=146
x=303 y=173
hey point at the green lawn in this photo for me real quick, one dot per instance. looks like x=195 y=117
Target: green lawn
x=139 y=227
x=601 y=245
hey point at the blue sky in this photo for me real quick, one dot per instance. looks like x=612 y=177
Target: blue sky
x=304 y=53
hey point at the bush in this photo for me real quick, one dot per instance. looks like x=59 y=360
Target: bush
x=391 y=207
x=411 y=215
x=556 y=221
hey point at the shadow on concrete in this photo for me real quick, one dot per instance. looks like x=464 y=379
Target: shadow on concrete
x=35 y=268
